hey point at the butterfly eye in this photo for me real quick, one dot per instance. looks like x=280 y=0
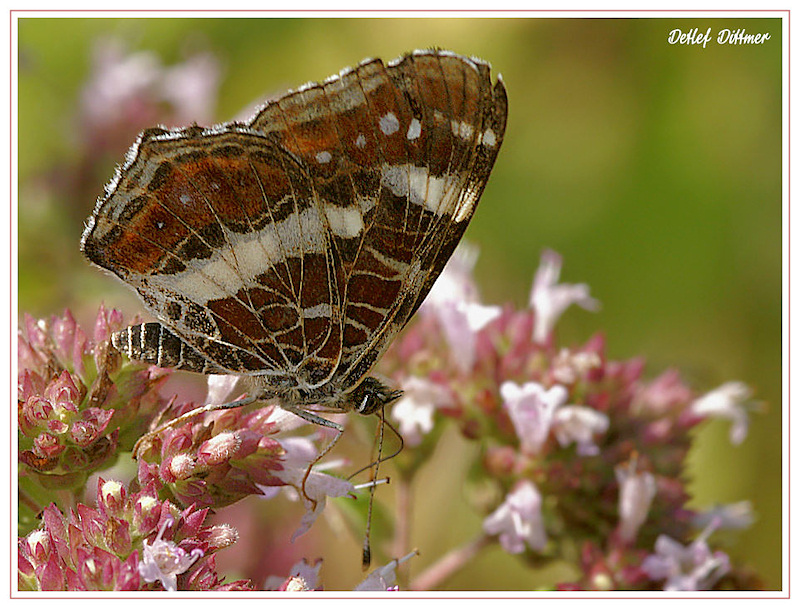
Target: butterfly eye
x=367 y=405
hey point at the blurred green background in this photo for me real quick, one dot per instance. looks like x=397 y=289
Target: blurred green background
x=655 y=169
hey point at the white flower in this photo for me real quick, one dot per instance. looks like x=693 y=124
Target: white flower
x=532 y=410
x=568 y=367
x=455 y=303
x=693 y=567
x=728 y=401
x=636 y=493
x=579 y=424
x=414 y=411
x=164 y=560
x=300 y=453
x=191 y=87
x=518 y=521
x=461 y=321
x=549 y=299
x=384 y=578
x=729 y=516
x=304 y=576
x=456 y=282
x=220 y=386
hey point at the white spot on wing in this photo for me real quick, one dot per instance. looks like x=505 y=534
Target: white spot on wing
x=345 y=222
x=414 y=129
x=462 y=129
x=324 y=157
x=361 y=141
x=434 y=193
x=320 y=310
x=365 y=204
x=489 y=138
x=389 y=123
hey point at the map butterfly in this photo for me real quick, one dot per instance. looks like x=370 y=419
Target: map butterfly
x=293 y=248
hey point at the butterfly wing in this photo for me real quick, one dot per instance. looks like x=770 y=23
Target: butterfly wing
x=398 y=156
x=218 y=232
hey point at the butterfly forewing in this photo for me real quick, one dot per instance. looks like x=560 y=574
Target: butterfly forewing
x=296 y=246
x=396 y=156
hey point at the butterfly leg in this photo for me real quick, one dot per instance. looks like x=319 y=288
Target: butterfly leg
x=316 y=420
x=146 y=438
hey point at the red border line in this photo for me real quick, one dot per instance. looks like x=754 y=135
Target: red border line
x=784 y=13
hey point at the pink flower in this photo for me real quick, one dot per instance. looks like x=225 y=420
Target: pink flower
x=454 y=302
x=636 y=493
x=685 y=568
x=549 y=299
x=664 y=393
x=579 y=424
x=70 y=341
x=129 y=91
x=532 y=410
x=106 y=323
x=164 y=560
x=108 y=547
x=456 y=282
x=518 y=521
x=461 y=321
x=75 y=399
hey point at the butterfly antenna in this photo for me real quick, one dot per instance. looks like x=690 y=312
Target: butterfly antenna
x=385 y=422
x=366 y=552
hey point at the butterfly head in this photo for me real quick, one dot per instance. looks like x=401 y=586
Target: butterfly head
x=369 y=396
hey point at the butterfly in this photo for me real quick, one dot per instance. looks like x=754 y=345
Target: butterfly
x=292 y=248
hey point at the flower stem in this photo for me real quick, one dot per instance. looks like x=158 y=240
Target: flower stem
x=402 y=528
x=449 y=564
x=30 y=502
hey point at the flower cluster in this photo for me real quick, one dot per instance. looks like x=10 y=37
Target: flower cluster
x=81 y=406
x=127 y=92
x=129 y=541
x=77 y=406
x=219 y=458
x=583 y=454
